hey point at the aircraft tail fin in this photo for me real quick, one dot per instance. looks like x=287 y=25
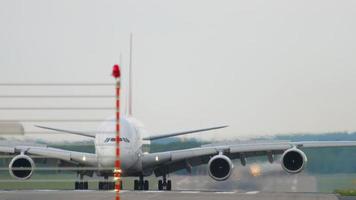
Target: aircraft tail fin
x=129 y=88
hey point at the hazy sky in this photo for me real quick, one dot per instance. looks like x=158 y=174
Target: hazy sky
x=262 y=67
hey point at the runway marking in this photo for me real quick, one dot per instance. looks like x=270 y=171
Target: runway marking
x=294 y=188
x=153 y=191
x=295 y=181
x=190 y=192
x=227 y=192
x=253 y=192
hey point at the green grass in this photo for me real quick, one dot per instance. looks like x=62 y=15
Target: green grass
x=336 y=182
x=40 y=181
x=346 y=192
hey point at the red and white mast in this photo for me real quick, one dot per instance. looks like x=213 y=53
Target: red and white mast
x=117 y=171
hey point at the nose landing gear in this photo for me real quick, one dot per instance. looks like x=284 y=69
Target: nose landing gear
x=108 y=185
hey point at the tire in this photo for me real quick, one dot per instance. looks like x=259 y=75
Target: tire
x=141 y=185
x=169 y=185
x=80 y=185
x=136 y=185
x=76 y=185
x=112 y=186
x=86 y=186
x=121 y=186
x=104 y=185
x=145 y=185
x=160 y=185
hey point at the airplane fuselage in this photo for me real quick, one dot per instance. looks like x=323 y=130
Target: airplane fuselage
x=130 y=146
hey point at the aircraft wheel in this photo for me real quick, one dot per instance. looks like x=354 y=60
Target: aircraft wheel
x=145 y=185
x=121 y=186
x=136 y=185
x=106 y=185
x=160 y=185
x=81 y=185
x=86 y=185
x=169 y=185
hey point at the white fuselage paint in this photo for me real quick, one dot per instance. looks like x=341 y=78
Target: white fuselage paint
x=130 y=146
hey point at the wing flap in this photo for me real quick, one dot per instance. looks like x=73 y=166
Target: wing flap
x=181 y=155
x=322 y=144
x=244 y=148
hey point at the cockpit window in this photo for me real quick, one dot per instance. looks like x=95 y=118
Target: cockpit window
x=122 y=139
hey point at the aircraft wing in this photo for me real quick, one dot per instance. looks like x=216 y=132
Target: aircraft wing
x=161 y=136
x=87 y=159
x=187 y=158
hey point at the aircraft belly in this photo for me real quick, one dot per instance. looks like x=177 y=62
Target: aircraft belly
x=107 y=157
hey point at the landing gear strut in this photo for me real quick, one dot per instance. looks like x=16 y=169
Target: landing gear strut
x=108 y=185
x=165 y=184
x=81 y=185
x=141 y=184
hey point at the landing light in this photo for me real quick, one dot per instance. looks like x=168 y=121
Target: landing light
x=117 y=171
x=84 y=158
x=157 y=159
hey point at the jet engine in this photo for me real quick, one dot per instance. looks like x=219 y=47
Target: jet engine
x=220 y=167
x=293 y=160
x=21 y=167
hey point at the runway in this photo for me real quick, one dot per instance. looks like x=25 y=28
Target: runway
x=274 y=185
x=159 y=195
x=274 y=180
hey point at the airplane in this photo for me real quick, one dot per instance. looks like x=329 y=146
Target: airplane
x=137 y=163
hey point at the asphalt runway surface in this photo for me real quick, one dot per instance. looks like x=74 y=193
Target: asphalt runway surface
x=272 y=184
x=273 y=179
x=159 y=195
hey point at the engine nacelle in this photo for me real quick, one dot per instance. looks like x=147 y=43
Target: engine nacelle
x=293 y=160
x=21 y=167
x=220 y=167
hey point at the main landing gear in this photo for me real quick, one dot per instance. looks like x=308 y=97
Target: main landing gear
x=165 y=184
x=141 y=184
x=81 y=184
x=103 y=185
x=108 y=185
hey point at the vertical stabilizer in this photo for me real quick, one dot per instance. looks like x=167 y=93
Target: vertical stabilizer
x=129 y=88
